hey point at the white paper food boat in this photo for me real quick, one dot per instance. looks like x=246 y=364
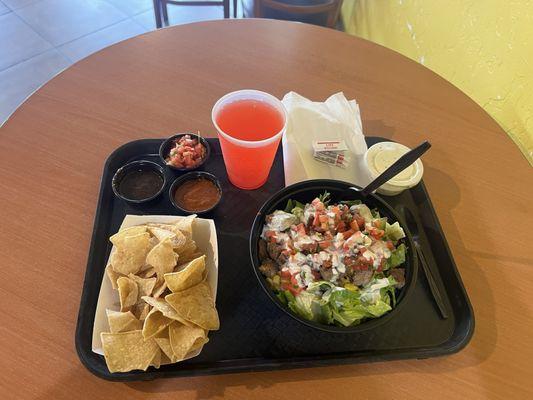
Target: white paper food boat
x=205 y=236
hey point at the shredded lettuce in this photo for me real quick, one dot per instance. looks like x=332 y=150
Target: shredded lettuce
x=325 y=303
x=397 y=257
x=364 y=212
x=394 y=232
x=380 y=223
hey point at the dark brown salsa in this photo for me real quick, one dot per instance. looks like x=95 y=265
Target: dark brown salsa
x=140 y=185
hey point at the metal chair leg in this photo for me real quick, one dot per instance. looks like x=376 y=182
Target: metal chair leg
x=226 y=8
x=164 y=7
x=235 y=8
x=157 y=13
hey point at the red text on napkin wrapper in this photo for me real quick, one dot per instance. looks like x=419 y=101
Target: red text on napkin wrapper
x=329 y=145
x=331 y=152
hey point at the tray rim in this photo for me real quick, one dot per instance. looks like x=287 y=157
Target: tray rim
x=264 y=364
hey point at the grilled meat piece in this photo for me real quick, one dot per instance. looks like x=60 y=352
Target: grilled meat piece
x=273 y=250
x=399 y=276
x=326 y=273
x=361 y=278
x=262 y=253
x=268 y=268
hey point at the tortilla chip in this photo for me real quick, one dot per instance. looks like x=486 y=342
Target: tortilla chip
x=176 y=237
x=141 y=310
x=156 y=361
x=195 y=305
x=198 y=343
x=165 y=360
x=183 y=338
x=166 y=348
x=165 y=308
x=127 y=351
x=185 y=225
x=158 y=291
x=153 y=242
x=191 y=256
x=162 y=258
x=122 y=321
x=146 y=286
x=186 y=254
x=112 y=275
x=154 y=323
x=130 y=254
x=118 y=237
x=128 y=293
x=191 y=275
x=147 y=273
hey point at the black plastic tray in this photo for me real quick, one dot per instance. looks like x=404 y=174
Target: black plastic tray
x=254 y=334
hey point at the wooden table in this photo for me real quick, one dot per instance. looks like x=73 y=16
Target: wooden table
x=52 y=152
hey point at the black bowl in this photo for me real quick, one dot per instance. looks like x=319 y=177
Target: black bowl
x=167 y=145
x=305 y=192
x=140 y=165
x=194 y=175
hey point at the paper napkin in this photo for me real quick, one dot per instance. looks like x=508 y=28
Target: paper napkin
x=336 y=118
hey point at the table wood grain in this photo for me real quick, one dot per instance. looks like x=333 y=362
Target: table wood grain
x=53 y=148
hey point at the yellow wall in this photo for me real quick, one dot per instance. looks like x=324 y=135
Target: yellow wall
x=484 y=47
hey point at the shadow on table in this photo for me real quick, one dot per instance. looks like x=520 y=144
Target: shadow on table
x=478 y=351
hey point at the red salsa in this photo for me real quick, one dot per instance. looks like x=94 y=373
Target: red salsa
x=187 y=152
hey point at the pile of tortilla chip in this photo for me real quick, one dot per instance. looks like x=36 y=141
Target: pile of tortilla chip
x=166 y=306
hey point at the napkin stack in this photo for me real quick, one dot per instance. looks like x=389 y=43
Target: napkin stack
x=335 y=119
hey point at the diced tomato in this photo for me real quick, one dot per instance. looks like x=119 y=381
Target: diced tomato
x=377 y=233
x=295 y=290
x=290 y=285
x=285 y=273
x=381 y=265
x=363 y=263
x=348 y=233
x=390 y=245
x=186 y=152
x=354 y=225
x=270 y=234
x=341 y=227
x=300 y=228
x=293 y=280
x=316 y=220
x=324 y=244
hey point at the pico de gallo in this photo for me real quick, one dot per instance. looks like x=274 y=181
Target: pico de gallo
x=187 y=152
x=334 y=264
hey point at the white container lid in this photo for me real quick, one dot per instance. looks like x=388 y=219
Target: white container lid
x=382 y=155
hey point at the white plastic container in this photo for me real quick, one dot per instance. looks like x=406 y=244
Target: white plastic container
x=382 y=155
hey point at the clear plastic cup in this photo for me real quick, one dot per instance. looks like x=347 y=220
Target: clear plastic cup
x=250 y=124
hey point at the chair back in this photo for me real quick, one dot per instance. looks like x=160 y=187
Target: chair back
x=317 y=12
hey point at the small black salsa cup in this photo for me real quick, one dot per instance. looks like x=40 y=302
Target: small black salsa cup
x=193 y=176
x=166 y=146
x=137 y=166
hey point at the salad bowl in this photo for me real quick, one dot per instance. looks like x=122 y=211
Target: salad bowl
x=305 y=192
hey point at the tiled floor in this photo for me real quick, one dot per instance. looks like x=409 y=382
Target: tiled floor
x=39 y=38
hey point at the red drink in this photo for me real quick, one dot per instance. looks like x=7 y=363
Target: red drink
x=250 y=125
